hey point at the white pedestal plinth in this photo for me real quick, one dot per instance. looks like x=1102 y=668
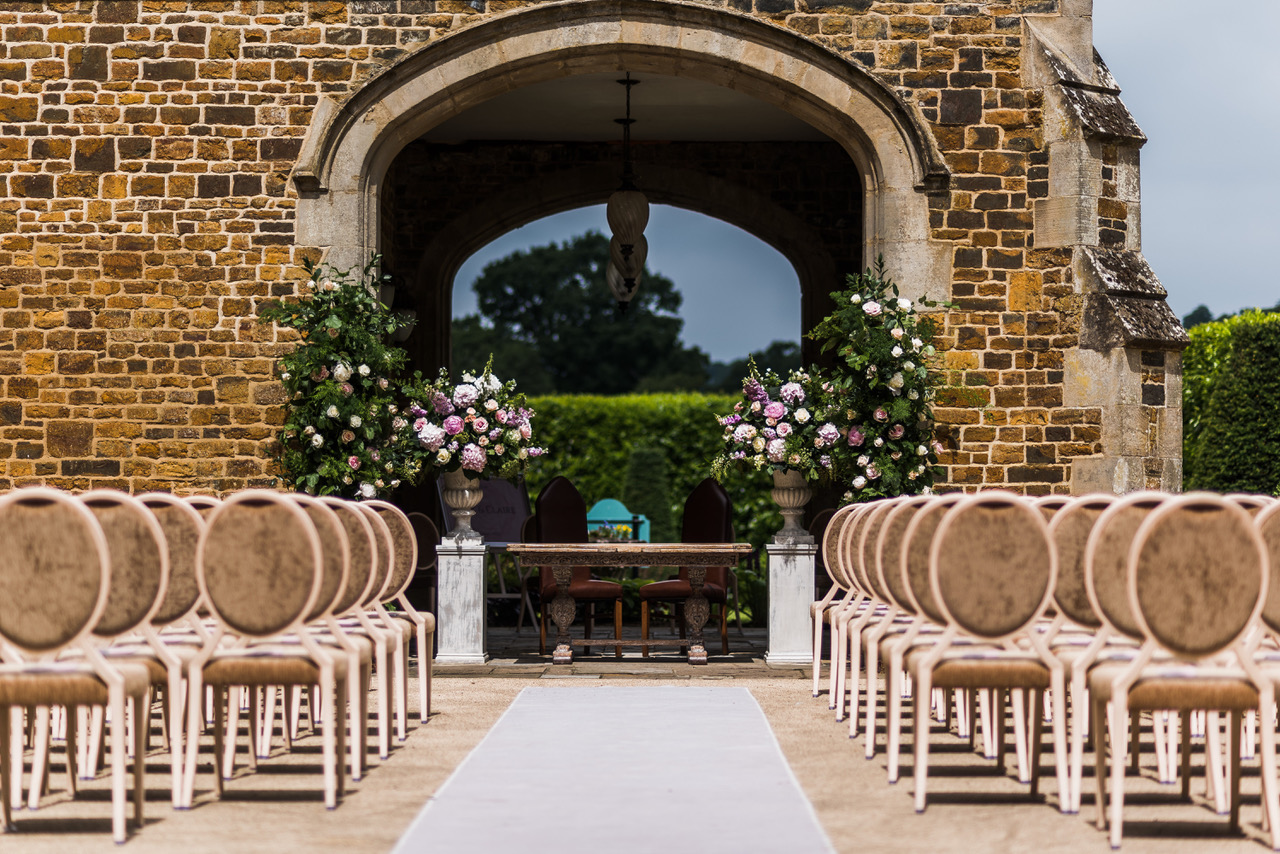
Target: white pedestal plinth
x=460 y=617
x=791 y=569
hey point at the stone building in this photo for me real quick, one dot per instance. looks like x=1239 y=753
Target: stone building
x=165 y=165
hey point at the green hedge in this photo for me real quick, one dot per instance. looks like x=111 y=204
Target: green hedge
x=1230 y=405
x=590 y=439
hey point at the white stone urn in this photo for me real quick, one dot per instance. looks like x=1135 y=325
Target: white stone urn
x=791 y=493
x=462 y=493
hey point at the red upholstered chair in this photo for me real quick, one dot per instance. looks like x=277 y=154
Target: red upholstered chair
x=561 y=517
x=708 y=518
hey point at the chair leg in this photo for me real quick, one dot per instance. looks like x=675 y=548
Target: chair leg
x=70 y=716
x=724 y=628
x=542 y=629
x=617 y=626
x=1236 y=724
x=588 y=625
x=920 y=710
x=644 y=627
x=141 y=734
x=6 y=759
x=40 y=756
x=119 y=749
x=1100 y=761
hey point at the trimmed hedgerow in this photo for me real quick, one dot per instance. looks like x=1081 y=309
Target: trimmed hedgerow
x=1231 y=397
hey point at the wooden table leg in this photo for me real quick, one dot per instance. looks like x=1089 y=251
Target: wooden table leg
x=696 y=612
x=562 y=612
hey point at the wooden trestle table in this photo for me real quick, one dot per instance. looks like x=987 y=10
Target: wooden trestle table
x=561 y=558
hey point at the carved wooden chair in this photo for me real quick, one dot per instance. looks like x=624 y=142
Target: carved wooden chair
x=562 y=518
x=707 y=518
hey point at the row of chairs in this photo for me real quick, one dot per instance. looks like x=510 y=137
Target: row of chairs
x=105 y=598
x=1107 y=606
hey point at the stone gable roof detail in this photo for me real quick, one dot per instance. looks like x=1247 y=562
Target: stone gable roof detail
x=1097 y=106
x=1127 y=305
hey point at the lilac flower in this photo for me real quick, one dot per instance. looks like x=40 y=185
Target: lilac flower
x=824 y=461
x=827 y=435
x=453 y=425
x=752 y=390
x=473 y=457
x=441 y=404
x=792 y=393
x=536 y=452
x=495 y=432
x=774 y=409
x=744 y=433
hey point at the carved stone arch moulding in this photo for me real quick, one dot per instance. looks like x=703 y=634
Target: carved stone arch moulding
x=350 y=145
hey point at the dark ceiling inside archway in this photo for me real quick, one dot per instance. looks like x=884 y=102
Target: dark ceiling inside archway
x=582 y=109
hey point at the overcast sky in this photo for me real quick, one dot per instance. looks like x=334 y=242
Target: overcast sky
x=1206 y=90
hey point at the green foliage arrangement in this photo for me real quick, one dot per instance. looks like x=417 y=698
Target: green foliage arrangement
x=883 y=380
x=1231 y=394
x=340 y=435
x=646 y=490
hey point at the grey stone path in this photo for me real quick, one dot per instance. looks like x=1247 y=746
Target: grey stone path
x=624 y=770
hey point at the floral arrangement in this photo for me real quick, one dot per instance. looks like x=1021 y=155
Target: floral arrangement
x=782 y=424
x=339 y=435
x=480 y=425
x=884 y=384
x=606 y=533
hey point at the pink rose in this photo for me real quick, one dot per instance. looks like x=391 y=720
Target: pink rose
x=501 y=416
x=880 y=415
x=347 y=389
x=871 y=307
x=354 y=462
x=480 y=424
x=856 y=437
x=774 y=409
x=873 y=472
x=896 y=431
x=784 y=429
x=453 y=425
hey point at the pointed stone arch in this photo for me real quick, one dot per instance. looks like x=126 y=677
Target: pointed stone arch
x=350 y=145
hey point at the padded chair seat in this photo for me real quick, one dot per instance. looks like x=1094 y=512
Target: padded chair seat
x=277 y=666
x=428 y=618
x=678 y=588
x=991 y=669
x=65 y=684
x=590 y=588
x=1221 y=691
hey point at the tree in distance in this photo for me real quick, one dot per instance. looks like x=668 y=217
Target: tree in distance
x=551 y=323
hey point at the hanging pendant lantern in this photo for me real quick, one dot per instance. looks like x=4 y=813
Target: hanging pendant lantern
x=628 y=214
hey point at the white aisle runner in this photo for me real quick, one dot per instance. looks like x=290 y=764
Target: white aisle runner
x=601 y=770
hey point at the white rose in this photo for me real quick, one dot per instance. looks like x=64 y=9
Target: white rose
x=802 y=415
x=863 y=460
x=896 y=351
x=342 y=372
x=317 y=440
x=308 y=430
x=284 y=375
x=442 y=456
x=368 y=490
x=897 y=332
x=329 y=285
x=490 y=404
x=346 y=478
x=928 y=490
x=872 y=308
x=758 y=444
x=331 y=412
x=468 y=378
x=909 y=365
x=355 y=421
x=879 y=443
x=896 y=381
x=904 y=304
x=917 y=343
x=855 y=299
x=378 y=483
x=912 y=394
x=921 y=450
x=523 y=453
x=490 y=383
x=364 y=370
x=859 y=482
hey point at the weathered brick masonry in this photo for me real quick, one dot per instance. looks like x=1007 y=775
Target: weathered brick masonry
x=150 y=193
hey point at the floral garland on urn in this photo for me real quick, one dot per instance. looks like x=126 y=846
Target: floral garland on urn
x=885 y=385
x=340 y=434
